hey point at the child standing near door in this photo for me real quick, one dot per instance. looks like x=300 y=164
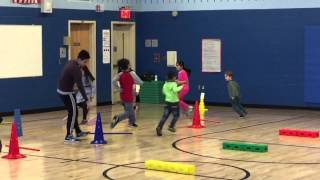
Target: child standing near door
x=87 y=80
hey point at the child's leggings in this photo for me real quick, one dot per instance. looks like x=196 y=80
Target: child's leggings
x=184 y=106
x=85 y=109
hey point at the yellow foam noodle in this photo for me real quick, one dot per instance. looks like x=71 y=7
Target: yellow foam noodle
x=170 y=167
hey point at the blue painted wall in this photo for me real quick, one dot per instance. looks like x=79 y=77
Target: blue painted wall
x=312 y=65
x=40 y=92
x=264 y=49
x=195 y=5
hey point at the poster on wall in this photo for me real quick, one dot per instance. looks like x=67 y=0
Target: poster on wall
x=27 y=40
x=171 y=58
x=211 y=55
x=106 y=46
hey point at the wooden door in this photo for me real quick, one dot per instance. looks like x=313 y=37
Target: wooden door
x=123 y=46
x=81 y=38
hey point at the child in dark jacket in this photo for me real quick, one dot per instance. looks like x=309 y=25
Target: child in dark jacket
x=234 y=94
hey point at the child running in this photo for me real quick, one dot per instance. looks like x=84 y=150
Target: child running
x=183 y=79
x=126 y=79
x=170 y=90
x=135 y=90
x=234 y=94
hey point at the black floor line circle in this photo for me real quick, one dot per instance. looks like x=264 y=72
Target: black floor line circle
x=175 y=146
x=246 y=172
x=275 y=144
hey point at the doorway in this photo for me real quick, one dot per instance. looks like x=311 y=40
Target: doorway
x=123 y=43
x=83 y=36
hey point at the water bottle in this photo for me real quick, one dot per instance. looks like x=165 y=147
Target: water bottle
x=156 y=78
x=202 y=92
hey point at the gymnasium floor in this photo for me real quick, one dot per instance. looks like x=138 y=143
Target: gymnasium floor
x=122 y=158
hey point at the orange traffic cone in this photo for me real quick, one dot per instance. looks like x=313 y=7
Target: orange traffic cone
x=14 y=152
x=196 y=118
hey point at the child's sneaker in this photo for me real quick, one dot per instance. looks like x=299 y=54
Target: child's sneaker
x=171 y=129
x=114 y=121
x=159 y=133
x=134 y=125
x=185 y=113
x=84 y=121
x=190 y=109
x=135 y=108
x=70 y=139
x=242 y=117
x=81 y=135
x=65 y=118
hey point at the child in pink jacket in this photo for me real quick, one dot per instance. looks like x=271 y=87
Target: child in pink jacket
x=183 y=79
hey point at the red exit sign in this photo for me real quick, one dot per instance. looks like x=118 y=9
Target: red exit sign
x=125 y=13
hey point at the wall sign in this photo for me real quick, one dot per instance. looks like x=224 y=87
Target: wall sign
x=211 y=55
x=125 y=13
x=106 y=46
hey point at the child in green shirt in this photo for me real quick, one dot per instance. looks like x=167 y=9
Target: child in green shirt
x=234 y=94
x=170 y=90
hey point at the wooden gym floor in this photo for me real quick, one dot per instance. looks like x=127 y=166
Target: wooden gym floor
x=122 y=158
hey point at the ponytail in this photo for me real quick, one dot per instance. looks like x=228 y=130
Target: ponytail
x=181 y=63
x=188 y=71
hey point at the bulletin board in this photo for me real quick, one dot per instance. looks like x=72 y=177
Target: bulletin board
x=211 y=55
x=21 y=51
